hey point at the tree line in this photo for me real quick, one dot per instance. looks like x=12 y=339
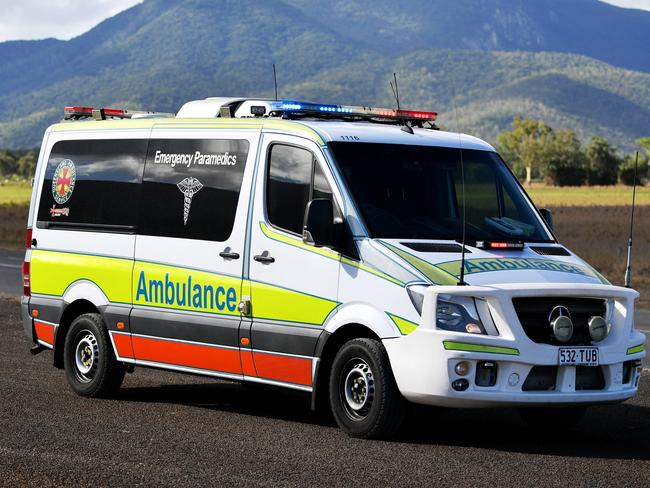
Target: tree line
x=19 y=164
x=535 y=151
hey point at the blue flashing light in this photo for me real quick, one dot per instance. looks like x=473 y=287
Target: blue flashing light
x=385 y=113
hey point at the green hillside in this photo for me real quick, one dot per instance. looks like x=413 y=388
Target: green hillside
x=161 y=53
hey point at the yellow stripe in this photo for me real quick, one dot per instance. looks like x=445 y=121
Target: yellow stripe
x=208 y=293
x=297 y=242
x=404 y=326
x=636 y=349
x=53 y=272
x=436 y=275
x=273 y=302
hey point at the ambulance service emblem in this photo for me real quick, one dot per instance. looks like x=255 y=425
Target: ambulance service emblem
x=63 y=181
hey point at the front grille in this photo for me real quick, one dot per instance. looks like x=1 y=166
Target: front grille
x=540 y=378
x=589 y=378
x=533 y=313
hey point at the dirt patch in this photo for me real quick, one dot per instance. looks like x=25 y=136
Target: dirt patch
x=599 y=236
x=13 y=221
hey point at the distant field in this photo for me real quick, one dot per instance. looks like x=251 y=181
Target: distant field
x=587 y=196
x=16 y=193
x=542 y=195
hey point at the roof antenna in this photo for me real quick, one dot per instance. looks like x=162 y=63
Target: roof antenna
x=275 y=83
x=628 y=269
x=461 y=280
x=395 y=88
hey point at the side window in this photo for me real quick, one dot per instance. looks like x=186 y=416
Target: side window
x=93 y=184
x=294 y=178
x=191 y=187
x=288 y=186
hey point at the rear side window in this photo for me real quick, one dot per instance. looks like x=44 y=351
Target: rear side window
x=93 y=184
x=191 y=187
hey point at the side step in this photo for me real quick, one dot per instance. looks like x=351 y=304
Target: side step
x=36 y=349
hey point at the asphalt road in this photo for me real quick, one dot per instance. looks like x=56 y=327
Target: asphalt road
x=166 y=429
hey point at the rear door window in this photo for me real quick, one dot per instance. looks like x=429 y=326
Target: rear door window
x=191 y=187
x=93 y=184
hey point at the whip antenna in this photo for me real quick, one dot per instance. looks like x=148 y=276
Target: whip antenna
x=275 y=83
x=461 y=280
x=628 y=269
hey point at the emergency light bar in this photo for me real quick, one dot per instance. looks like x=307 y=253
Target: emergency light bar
x=318 y=109
x=75 y=113
x=517 y=246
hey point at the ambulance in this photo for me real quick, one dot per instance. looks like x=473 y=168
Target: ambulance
x=359 y=255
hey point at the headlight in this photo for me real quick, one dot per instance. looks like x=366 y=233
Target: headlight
x=454 y=313
x=458 y=314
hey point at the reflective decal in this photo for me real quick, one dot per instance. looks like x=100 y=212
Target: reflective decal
x=63 y=181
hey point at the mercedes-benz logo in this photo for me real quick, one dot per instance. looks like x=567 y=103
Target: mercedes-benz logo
x=559 y=311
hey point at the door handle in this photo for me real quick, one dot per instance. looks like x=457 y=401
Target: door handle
x=227 y=253
x=264 y=258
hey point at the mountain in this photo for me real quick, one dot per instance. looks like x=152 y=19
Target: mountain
x=488 y=58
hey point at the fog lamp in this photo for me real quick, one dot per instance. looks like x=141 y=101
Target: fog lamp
x=462 y=368
x=598 y=329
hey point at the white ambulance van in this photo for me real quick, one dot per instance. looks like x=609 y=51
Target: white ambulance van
x=320 y=248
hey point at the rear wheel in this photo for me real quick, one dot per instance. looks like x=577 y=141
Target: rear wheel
x=542 y=418
x=90 y=365
x=364 y=397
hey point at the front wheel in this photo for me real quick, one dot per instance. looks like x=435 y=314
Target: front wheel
x=90 y=364
x=364 y=397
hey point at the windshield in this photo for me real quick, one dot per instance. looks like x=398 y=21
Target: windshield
x=415 y=192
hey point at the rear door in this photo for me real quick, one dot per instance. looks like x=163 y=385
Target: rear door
x=188 y=270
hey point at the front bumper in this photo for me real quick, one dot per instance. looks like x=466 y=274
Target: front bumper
x=424 y=361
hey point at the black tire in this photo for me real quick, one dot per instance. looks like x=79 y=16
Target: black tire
x=377 y=411
x=552 y=417
x=90 y=365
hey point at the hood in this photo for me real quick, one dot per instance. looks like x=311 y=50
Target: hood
x=488 y=267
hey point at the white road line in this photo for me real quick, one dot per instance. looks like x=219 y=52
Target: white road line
x=3 y=265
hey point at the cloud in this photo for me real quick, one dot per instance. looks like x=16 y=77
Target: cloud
x=63 y=19
x=640 y=4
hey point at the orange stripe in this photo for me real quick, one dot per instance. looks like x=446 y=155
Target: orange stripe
x=247 y=364
x=123 y=345
x=184 y=354
x=44 y=332
x=283 y=368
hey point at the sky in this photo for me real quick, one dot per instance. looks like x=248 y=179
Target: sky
x=64 y=19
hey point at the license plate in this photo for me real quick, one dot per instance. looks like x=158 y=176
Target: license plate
x=578 y=356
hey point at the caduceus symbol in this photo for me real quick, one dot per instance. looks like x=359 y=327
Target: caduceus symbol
x=188 y=187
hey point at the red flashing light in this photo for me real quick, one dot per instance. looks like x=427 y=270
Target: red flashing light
x=113 y=112
x=74 y=111
x=28 y=238
x=517 y=246
x=27 y=287
x=417 y=114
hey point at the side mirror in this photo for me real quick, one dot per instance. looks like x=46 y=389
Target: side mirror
x=547 y=215
x=318 y=229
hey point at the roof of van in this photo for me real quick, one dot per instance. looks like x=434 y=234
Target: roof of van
x=322 y=131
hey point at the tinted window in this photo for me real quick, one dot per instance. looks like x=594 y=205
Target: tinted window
x=93 y=182
x=415 y=192
x=191 y=187
x=288 y=188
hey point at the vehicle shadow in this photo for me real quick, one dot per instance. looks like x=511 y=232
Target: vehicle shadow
x=608 y=432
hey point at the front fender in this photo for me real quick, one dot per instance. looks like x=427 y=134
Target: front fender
x=365 y=314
